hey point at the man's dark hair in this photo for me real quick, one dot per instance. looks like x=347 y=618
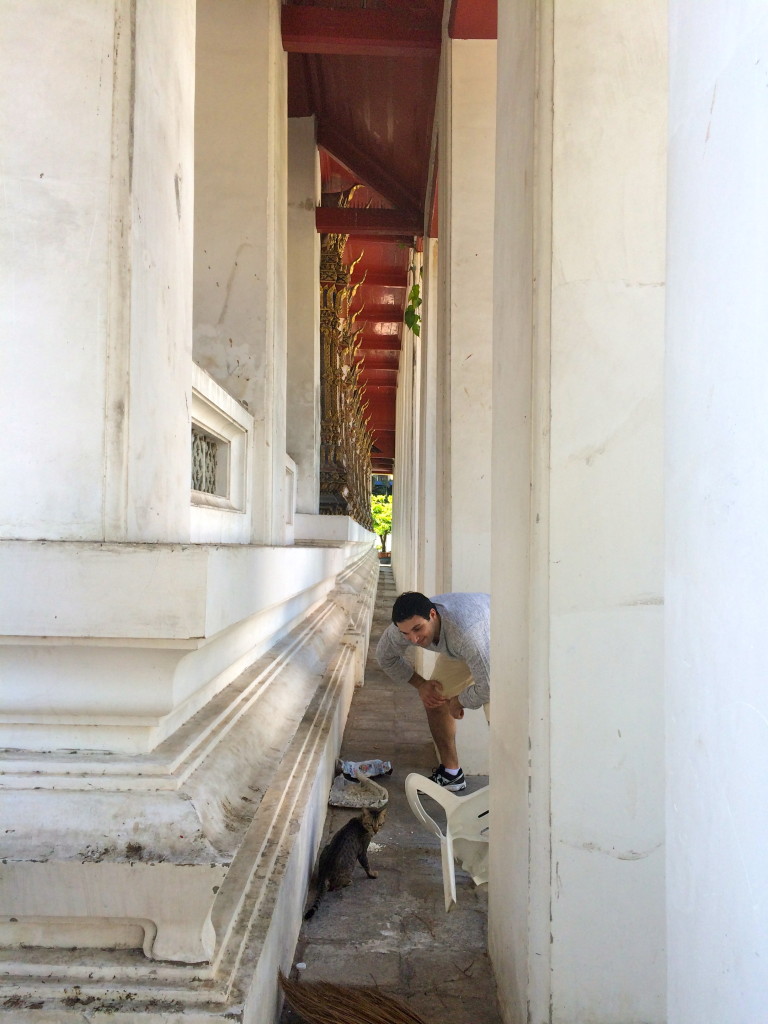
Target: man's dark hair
x=409 y=604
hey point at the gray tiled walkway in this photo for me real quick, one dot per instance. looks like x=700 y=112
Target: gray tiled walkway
x=393 y=931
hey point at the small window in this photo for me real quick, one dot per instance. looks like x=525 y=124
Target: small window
x=210 y=460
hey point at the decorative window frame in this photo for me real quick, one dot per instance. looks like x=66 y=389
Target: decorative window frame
x=289 y=492
x=216 y=413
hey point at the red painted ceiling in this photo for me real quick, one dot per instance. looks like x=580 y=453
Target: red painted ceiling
x=367 y=70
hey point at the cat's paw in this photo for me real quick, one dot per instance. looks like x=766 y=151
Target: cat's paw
x=373 y=874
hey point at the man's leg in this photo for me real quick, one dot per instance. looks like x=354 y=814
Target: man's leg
x=454 y=676
x=442 y=725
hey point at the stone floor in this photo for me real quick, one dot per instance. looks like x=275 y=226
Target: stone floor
x=393 y=931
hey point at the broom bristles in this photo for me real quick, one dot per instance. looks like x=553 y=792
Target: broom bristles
x=321 y=1002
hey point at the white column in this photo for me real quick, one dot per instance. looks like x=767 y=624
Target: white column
x=518 y=900
x=717 y=508
x=467 y=147
x=405 y=536
x=98 y=232
x=606 y=513
x=429 y=552
x=303 y=407
x=240 y=229
x=577 y=589
x=466 y=160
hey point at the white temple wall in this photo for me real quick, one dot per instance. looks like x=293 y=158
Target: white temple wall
x=303 y=395
x=240 y=263
x=96 y=316
x=717 y=506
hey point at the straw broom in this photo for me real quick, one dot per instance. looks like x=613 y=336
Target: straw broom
x=320 y=1002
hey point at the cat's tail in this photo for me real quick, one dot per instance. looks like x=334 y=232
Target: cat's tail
x=377 y=796
x=310 y=911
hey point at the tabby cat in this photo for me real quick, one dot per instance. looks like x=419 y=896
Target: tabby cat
x=348 y=845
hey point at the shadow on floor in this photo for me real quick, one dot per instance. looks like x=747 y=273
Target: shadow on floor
x=392 y=931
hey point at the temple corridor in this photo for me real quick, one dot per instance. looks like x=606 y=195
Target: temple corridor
x=511 y=256
x=392 y=931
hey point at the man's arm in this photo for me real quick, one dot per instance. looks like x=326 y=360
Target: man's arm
x=390 y=654
x=479 y=692
x=430 y=691
x=477 y=654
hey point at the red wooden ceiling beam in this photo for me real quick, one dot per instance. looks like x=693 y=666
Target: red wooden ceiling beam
x=388 y=359
x=360 y=164
x=473 y=19
x=357 y=32
x=369 y=223
x=383 y=367
x=375 y=346
x=380 y=278
x=379 y=315
x=385 y=378
x=382 y=427
x=406 y=240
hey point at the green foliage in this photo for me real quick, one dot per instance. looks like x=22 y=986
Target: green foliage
x=411 y=314
x=381 y=512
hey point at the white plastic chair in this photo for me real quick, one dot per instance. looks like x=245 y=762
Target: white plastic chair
x=467 y=830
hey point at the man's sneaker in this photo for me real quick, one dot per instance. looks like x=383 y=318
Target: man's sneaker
x=452 y=782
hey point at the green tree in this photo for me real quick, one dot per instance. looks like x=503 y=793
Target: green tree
x=381 y=512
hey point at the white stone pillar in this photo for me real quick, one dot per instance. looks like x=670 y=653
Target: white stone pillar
x=717 y=509
x=429 y=552
x=606 y=513
x=466 y=160
x=467 y=148
x=303 y=407
x=405 y=535
x=240 y=229
x=98 y=238
x=578 y=545
x=519 y=900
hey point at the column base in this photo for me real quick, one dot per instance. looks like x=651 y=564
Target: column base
x=175 y=882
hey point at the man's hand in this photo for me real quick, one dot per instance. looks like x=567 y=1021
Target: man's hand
x=455 y=708
x=431 y=693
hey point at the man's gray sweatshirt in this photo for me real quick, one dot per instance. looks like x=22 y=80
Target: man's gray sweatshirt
x=465 y=634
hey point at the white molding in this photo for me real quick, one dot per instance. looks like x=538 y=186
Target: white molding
x=289 y=500
x=179 y=621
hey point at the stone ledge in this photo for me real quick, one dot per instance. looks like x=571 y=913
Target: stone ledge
x=127 y=693
x=271 y=869
x=256 y=914
x=167 y=592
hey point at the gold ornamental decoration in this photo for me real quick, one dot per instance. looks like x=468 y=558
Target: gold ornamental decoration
x=346 y=442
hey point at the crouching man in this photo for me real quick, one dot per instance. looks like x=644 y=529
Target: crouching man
x=458 y=628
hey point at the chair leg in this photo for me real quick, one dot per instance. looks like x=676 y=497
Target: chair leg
x=449 y=872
